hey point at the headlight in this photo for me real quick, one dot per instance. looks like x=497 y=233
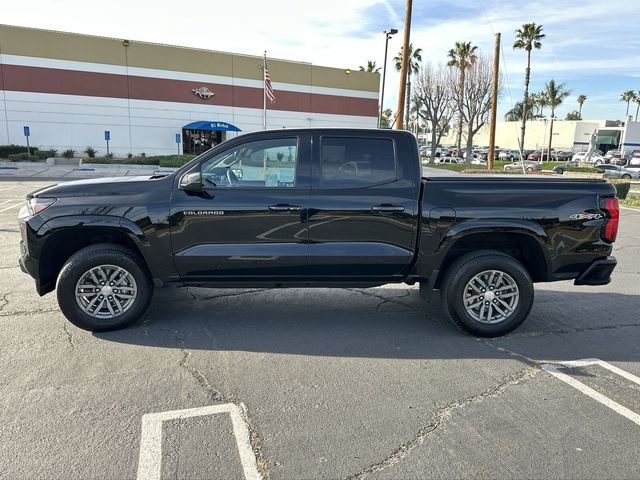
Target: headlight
x=36 y=205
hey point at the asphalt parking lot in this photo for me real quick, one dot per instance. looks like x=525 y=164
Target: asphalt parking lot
x=319 y=383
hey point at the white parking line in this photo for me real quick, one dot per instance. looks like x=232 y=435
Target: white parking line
x=12 y=206
x=9 y=200
x=554 y=370
x=8 y=188
x=149 y=461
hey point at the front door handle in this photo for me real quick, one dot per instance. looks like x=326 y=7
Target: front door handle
x=387 y=208
x=285 y=208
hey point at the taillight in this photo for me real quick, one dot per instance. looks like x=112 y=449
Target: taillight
x=612 y=208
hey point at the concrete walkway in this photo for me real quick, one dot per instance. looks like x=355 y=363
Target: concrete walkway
x=40 y=170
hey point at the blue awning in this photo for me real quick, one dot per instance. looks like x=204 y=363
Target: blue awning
x=211 y=126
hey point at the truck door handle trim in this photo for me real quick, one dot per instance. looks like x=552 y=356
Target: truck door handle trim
x=387 y=208
x=285 y=208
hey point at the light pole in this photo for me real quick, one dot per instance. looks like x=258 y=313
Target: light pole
x=387 y=34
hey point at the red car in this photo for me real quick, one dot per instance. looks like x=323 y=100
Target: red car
x=535 y=156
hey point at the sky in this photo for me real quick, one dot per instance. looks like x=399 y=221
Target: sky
x=591 y=46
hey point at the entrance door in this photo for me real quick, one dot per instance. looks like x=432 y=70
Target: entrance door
x=249 y=222
x=195 y=142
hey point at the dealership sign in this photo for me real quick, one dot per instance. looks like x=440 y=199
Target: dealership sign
x=203 y=92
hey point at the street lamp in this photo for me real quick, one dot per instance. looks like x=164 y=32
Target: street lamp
x=387 y=34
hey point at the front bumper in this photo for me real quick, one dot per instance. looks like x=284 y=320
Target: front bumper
x=598 y=273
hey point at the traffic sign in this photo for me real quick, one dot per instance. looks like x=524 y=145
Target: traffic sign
x=177 y=138
x=26 y=131
x=107 y=135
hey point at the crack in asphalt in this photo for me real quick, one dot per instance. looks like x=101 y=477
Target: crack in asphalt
x=440 y=418
x=226 y=295
x=561 y=331
x=69 y=335
x=4 y=300
x=385 y=299
x=26 y=312
x=217 y=396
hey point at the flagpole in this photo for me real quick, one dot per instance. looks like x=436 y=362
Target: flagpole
x=264 y=91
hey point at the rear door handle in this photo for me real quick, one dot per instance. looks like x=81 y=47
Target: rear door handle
x=387 y=208
x=285 y=208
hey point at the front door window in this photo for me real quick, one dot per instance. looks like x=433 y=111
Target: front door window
x=263 y=163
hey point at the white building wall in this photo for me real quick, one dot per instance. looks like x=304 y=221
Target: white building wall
x=136 y=126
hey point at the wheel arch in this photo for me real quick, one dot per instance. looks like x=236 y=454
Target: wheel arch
x=526 y=246
x=65 y=236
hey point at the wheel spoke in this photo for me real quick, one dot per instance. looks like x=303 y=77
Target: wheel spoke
x=506 y=305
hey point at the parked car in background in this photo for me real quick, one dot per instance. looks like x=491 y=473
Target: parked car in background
x=614 y=157
x=510 y=155
x=560 y=169
x=561 y=155
x=529 y=166
x=596 y=158
x=448 y=160
x=537 y=155
x=617 y=171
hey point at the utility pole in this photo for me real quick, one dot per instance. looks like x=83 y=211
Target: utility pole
x=494 y=103
x=399 y=124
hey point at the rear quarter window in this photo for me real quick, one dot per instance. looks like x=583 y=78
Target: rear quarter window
x=356 y=162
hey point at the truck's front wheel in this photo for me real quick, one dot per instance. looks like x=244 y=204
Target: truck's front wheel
x=487 y=293
x=104 y=287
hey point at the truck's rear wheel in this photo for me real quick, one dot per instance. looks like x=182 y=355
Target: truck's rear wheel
x=104 y=287
x=487 y=293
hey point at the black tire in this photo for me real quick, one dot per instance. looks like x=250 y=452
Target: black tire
x=465 y=268
x=94 y=256
x=559 y=170
x=626 y=176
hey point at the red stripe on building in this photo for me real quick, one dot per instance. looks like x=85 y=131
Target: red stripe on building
x=72 y=82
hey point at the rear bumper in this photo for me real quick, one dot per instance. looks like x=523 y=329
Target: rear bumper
x=598 y=273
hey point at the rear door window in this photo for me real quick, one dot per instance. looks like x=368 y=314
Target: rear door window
x=356 y=162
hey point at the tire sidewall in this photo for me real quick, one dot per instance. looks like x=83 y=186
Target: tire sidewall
x=454 y=292
x=83 y=261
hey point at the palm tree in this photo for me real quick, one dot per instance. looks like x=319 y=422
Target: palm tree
x=371 y=67
x=527 y=38
x=627 y=97
x=415 y=57
x=515 y=114
x=556 y=94
x=462 y=56
x=581 y=99
x=636 y=99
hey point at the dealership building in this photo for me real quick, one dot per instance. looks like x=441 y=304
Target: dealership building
x=73 y=91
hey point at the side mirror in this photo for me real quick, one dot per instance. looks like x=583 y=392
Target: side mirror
x=191 y=182
x=238 y=173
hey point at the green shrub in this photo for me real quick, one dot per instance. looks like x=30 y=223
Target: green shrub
x=622 y=188
x=23 y=157
x=90 y=151
x=6 y=150
x=69 y=153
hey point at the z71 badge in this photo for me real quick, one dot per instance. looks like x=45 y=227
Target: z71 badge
x=191 y=213
x=586 y=216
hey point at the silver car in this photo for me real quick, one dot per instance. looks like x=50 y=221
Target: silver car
x=616 y=171
x=529 y=166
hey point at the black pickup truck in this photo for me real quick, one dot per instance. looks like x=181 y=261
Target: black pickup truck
x=317 y=208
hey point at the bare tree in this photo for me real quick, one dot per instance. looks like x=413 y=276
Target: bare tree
x=434 y=92
x=475 y=100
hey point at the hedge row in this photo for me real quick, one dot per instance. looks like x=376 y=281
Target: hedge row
x=160 y=160
x=36 y=155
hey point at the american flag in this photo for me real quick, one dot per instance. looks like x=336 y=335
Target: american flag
x=268 y=88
